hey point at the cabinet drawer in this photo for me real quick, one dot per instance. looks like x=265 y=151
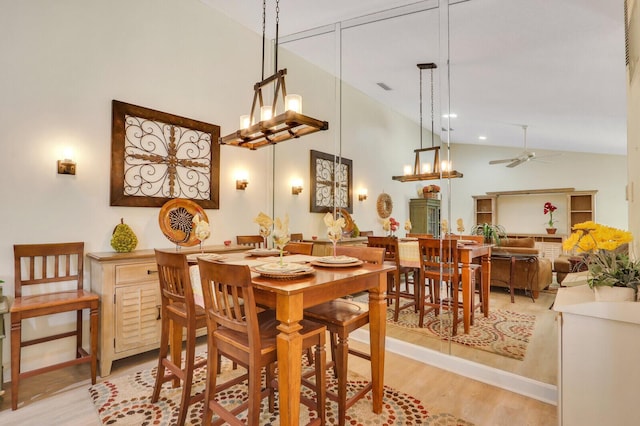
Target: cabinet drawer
x=135 y=273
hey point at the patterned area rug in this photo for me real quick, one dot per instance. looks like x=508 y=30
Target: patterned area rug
x=503 y=332
x=126 y=400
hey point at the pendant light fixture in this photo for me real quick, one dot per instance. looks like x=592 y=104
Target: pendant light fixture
x=264 y=126
x=430 y=170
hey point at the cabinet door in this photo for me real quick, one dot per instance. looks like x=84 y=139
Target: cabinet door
x=433 y=218
x=137 y=316
x=418 y=216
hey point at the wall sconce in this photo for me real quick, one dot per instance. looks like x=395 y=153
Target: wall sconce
x=242 y=181
x=67 y=166
x=362 y=195
x=296 y=186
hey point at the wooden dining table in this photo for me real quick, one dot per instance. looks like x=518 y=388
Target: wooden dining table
x=289 y=298
x=409 y=254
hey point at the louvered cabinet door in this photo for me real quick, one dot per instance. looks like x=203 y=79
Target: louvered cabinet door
x=137 y=316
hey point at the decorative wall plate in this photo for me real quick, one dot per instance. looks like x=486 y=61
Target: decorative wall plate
x=384 y=205
x=176 y=221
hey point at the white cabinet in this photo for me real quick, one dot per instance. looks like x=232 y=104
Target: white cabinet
x=599 y=370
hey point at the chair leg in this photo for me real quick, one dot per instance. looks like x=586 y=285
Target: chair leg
x=16 y=335
x=93 y=332
x=255 y=383
x=162 y=354
x=210 y=390
x=321 y=380
x=189 y=362
x=341 y=367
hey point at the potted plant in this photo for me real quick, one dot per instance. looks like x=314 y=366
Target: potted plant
x=613 y=275
x=491 y=232
x=549 y=209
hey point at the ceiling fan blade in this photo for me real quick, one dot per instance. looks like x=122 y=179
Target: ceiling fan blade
x=506 y=160
x=516 y=162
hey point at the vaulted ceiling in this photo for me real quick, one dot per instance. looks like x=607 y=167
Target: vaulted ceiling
x=557 y=67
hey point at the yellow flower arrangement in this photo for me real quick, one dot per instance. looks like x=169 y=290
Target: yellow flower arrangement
x=589 y=237
x=601 y=246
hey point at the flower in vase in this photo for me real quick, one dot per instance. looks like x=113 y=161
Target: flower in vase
x=334 y=226
x=201 y=230
x=407 y=225
x=265 y=223
x=390 y=225
x=281 y=232
x=549 y=209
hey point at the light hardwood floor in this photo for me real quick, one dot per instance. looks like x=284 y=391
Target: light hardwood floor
x=61 y=397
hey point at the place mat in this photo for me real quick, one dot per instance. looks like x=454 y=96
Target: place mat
x=351 y=264
x=126 y=400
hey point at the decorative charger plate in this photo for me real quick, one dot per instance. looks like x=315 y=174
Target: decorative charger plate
x=284 y=271
x=336 y=265
x=176 y=221
x=193 y=258
x=259 y=252
x=337 y=259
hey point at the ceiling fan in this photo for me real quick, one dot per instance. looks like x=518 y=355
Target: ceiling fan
x=523 y=157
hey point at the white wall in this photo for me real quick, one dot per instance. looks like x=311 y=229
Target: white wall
x=63 y=62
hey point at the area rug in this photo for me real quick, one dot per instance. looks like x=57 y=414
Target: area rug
x=127 y=401
x=503 y=332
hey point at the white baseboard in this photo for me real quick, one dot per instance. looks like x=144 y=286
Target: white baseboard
x=512 y=382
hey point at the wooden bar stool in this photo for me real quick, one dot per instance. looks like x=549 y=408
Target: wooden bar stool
x=179 y=312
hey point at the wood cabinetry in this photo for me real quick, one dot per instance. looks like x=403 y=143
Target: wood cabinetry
x=581 y=207
x=424 y=214
x=484 y=209
x=129 y=302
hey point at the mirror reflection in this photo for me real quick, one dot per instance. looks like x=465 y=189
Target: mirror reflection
x=380 y=136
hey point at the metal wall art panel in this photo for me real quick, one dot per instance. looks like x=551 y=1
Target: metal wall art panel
x=331 y=179
x=157 y=156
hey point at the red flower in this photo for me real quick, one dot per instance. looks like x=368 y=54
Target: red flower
x=549 y=208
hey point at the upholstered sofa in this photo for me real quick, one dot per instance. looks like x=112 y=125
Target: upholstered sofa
x=536 y=270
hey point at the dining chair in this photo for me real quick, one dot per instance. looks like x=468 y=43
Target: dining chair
x=476 y=272
x=248 y=337
x=256 y=241
x=366 y=233
x=439 y=262
x=299 y=248
x=296 y=237
x=178 y=312
x=394 y=285
x=341 y=317
x=45 y=269
x=418 y=235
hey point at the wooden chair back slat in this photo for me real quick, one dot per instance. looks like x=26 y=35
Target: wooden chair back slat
x=228 y=298
x=373 y=255
x=299 y=248
x=256 y=241
x=38 y=257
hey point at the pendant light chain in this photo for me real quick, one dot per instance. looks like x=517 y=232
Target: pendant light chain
x=277 y=28
x=431 y=107
x=264 y=29
x=420 y=108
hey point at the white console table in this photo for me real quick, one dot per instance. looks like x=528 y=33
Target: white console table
x=599 y=372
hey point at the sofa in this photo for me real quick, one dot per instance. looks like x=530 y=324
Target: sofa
x=538 y=271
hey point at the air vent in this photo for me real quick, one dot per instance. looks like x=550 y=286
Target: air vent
x=384 y=86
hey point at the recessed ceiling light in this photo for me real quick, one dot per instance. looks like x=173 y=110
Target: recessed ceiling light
x=452 y=115
x=482 y=138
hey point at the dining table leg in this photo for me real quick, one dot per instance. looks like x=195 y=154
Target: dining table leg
x=377 y=330
x=486 y=283
x=467 y=296
x=289 y=313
